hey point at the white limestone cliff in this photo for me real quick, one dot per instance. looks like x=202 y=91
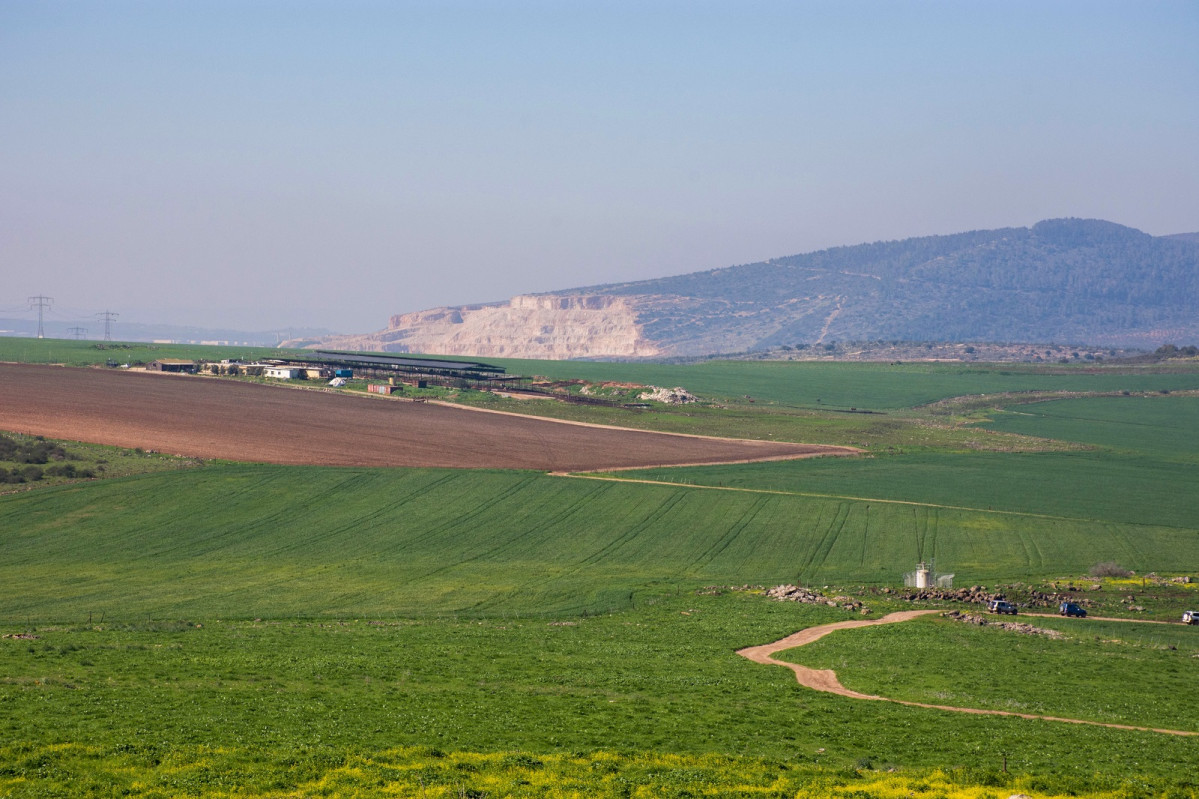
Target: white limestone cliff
x=530 y=326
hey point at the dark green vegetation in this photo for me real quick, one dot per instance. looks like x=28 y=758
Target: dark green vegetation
x=1060 y=280
x=266 y=705
x=1112 y=672
x=546 y=620
x=33 y=459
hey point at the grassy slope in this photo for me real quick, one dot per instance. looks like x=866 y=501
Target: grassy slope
x=1164 y=426
x=240 y=542
x=874 y=386
x=1085 y=486
x=246 y=541
x=663 y=678
x=1102 y=671
x=1146 y=477
x=92 y=353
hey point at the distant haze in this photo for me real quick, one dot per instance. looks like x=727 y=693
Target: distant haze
x=328 y=164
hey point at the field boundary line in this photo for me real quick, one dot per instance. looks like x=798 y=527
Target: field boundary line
x=826 y=679
x=821 y=449
x=913 y=503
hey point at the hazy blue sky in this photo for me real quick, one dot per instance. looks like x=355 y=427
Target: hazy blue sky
x=261 y=164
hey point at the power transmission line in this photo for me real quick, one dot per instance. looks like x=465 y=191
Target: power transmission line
x=107 y=316
x=42 y=303
x=78 y=332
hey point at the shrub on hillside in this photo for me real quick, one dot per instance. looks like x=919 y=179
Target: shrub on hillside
x=1109 y=569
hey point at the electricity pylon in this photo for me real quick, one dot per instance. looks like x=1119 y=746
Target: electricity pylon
x=42 y=303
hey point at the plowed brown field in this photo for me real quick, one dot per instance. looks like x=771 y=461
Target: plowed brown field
x=213 y=418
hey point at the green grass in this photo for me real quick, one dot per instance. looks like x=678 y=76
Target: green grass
x=312 y=696
x=873 y=386
x=1164 y=426
x=1148 y=479
x=1111 y=672
x=96 y=353
x=234 y=541
x=1085 y=486
x=509 y=617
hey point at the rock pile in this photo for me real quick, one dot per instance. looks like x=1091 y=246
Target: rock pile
x=808 y=596
x=978 y=594
x=1012 y=626
x=717 y=590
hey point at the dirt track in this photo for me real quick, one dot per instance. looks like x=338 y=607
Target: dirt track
x=213 y=418
x=826 y=679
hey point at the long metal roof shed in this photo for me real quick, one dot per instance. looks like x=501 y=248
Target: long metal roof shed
x=405 y=364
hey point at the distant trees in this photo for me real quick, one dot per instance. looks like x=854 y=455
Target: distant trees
x=37 y=451
x=1172 y=351
x=28 y=457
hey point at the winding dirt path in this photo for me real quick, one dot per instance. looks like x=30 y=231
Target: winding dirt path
x=826 y=679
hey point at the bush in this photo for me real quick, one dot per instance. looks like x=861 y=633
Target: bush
x=1109 y=569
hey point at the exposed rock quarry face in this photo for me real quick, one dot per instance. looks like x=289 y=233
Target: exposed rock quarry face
x=550 y=327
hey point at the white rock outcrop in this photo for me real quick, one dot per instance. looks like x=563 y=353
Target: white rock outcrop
x=527 y=326
x=671 y=396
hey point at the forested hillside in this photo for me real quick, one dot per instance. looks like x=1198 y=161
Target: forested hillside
x=1060 y=280
x=1065 y=281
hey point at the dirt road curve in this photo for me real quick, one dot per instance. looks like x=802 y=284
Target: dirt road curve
x=826 y=679
x=212 y=418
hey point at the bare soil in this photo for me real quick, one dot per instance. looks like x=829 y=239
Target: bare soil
x=226 y=419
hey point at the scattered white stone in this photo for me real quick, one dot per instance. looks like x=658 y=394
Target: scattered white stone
x=671 y=396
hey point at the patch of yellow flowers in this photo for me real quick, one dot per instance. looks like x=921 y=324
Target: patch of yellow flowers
x=431 y=774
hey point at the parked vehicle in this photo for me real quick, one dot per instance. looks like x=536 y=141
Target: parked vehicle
x=1070 y=609
x=1001 y=606
x=1190 y=617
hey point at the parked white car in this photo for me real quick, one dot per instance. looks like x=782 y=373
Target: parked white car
x=1190 y=617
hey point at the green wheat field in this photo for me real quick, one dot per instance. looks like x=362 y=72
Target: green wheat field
x=225 y=629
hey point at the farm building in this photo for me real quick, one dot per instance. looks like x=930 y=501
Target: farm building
x=415 y=371
x=282 y=372
x=172 y=365
x=382 y=388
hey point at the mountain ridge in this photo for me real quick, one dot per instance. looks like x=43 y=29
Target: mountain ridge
x=1080 y=280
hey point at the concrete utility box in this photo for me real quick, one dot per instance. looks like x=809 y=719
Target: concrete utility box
x=926 y=576
x=923 y=575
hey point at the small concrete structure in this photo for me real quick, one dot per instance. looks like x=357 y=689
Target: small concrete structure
x=923 y=575
x=926 y=576
x=172 y=365
x=282 y=372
